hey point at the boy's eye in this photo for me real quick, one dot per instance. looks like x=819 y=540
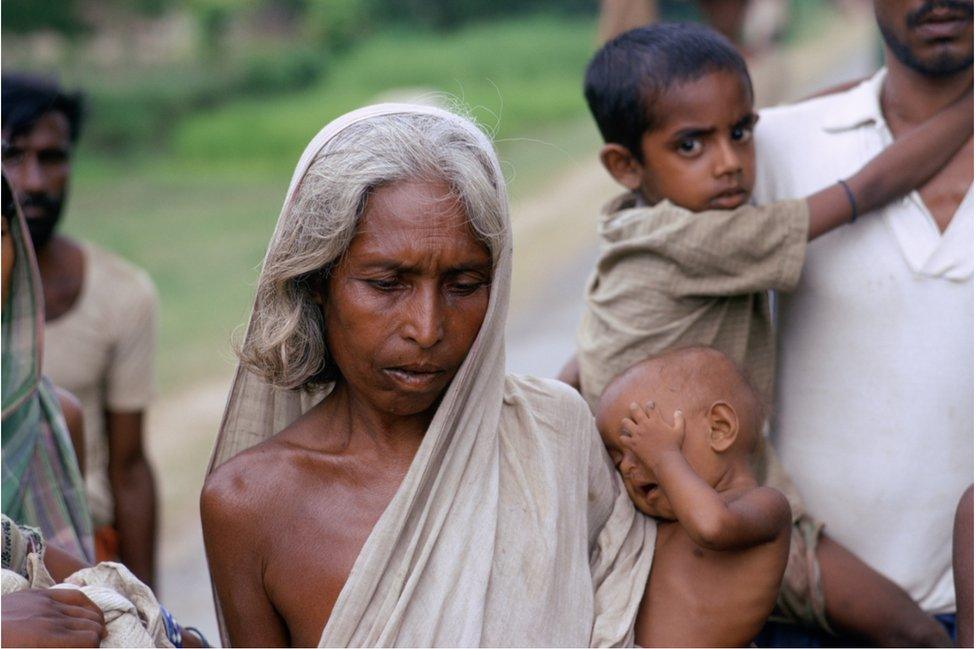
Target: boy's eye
x=741 y=134
x=689 y=147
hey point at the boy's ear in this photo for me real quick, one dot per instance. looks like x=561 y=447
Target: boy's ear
x=723 y=426
x=622 y=165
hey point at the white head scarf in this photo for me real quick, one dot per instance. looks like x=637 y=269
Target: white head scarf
x=446 y=562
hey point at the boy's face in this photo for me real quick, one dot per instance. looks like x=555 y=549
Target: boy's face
x=701 y=156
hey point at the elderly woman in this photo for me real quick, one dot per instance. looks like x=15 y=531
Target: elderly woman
x=378 y=479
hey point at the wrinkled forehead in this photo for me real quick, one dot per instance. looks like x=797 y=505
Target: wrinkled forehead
x=418 y=223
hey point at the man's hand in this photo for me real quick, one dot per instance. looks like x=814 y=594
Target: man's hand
x=55 y=617
x=650 y=437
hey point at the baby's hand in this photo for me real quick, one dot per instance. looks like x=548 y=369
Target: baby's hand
x=647 y=434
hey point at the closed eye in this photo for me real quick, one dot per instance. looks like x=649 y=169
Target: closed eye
x=466 y=288
x=384 y=284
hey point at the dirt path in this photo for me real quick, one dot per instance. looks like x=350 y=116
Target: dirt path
x=555 y=248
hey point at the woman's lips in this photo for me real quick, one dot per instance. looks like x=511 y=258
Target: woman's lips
x=414 y=378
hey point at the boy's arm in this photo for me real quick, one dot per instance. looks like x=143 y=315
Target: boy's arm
x=569 y=374
x=756 y=517
x=908 y=163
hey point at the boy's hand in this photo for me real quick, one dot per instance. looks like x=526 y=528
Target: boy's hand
x=647 y=434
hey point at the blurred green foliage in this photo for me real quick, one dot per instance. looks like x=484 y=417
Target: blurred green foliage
x=515 y=76
x=144 y=111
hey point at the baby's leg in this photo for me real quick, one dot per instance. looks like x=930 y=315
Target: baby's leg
x=962 y=568
x=862 y=602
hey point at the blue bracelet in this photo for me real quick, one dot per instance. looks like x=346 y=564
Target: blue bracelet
x=173 y=631
x=850 y=199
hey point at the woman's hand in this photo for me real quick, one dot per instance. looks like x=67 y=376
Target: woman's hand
x=54 y=617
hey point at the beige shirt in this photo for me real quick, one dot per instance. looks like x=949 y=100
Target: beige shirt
x=102 y=350
x=668 y=277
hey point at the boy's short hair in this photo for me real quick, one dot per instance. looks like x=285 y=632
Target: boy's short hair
x=26 y=98
x=627 y=76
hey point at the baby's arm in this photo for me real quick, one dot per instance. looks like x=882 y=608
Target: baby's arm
x=908 y=163
x=758 y=516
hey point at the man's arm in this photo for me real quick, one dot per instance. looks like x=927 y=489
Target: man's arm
x=134 y=492
x=962 y=568
x=758 y=516
x=233 y=545
x=908 y=163
x=75 y=421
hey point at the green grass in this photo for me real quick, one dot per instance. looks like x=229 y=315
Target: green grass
x=198 y=214
x=515 y=76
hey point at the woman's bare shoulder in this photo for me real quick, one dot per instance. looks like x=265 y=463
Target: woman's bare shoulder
x=247 y=484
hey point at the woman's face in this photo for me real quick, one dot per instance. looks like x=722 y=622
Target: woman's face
x=406 y=301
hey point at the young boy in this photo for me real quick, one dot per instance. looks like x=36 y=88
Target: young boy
x=722 y=540
x=686 y=260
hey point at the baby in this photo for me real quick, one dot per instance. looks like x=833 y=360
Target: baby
x=682 y=429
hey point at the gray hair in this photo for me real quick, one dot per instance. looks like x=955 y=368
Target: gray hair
x=285 y=342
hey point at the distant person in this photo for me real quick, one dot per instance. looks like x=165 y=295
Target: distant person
x=100 y=322
x=42 y=483
x=875 y=395
x=687 y=260
x=682 y=429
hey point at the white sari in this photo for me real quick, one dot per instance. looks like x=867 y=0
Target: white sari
x=511 y=526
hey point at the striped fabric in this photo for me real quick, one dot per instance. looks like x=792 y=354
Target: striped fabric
x=42 y=484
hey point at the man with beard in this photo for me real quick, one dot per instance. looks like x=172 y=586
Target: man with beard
x=874 y=402
x=100 y=321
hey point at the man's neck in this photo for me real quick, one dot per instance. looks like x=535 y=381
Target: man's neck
x=62 y=267
x=50 y=258
x=909 y=98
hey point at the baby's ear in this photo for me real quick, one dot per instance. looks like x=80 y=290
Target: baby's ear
x=723 y=426
x=622 y=165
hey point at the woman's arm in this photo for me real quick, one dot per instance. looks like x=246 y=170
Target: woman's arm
x=236 y=565
x=908 y=163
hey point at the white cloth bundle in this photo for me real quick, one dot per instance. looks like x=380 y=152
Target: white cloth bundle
x=132 y=614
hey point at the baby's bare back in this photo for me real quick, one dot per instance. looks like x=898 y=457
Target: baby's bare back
x=705 y=598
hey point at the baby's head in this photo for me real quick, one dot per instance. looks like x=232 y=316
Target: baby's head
x=723 y=418
x=674 y=104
